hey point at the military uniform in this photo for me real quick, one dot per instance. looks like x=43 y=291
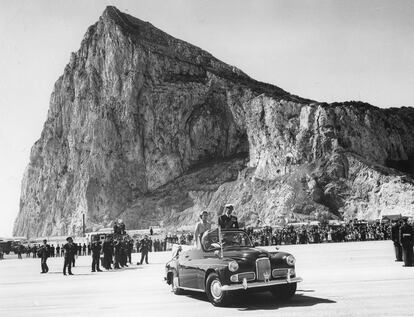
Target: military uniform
x=145 y=247
x=395 y=231
x=96 y=252
x=407 y=240
x=107 y=249
x=43 y=253
x=228 y=222
x=70 y=252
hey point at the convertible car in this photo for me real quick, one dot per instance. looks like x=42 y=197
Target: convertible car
x=228 y=261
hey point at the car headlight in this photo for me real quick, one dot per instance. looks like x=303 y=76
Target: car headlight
x=290 y=260
x=233 y=266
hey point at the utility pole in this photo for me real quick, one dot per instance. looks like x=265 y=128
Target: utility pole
x=83 y=224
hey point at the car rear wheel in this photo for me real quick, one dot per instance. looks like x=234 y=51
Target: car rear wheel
x=175 y=285
x=215 y=294
x=284 y=292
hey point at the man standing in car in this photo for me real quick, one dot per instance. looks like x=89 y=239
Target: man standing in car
x=227 y=220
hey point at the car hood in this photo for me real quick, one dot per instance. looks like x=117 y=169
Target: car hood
x=251 y=254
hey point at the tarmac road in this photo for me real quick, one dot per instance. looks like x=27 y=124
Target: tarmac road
x=341 y=279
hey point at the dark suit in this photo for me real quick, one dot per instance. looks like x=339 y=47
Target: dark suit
x=70 y=252
x=406 y=240
x=226 y=222
x=43 y=253
x=145 y=247
x=96 y=252
x=395 y=232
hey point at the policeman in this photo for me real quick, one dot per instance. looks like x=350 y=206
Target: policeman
x=107 y=249
x=407 y=241
x=118 y=253
x=227 y=220
x=43 y=253
x=395 y=237
x=70 y=251
x=96 y=252
x=145 y=247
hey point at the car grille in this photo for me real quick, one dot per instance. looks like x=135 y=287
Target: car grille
x=263 y=269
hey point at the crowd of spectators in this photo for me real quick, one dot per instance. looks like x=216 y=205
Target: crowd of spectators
x=303 y=234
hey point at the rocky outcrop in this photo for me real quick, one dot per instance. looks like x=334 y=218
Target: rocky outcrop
x=152 y=129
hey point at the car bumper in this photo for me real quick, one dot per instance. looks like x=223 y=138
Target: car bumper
x=249 y=285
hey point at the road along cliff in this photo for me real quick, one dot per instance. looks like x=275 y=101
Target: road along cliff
x=148 y=128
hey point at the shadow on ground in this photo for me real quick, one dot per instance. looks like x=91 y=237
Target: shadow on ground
x=265 y=301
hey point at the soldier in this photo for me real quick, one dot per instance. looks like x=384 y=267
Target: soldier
x=145 y=247
x=395 y=237
x=407 y=240
x=118 y=253
x=96 y=252
x=107 y=249
x=130 y=246
x=227 y=220
x=43 y=253
x=70 y=250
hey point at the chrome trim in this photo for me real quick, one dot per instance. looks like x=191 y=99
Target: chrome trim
x=278 y=273
x=191 y=289
x=261 y=284
x=240 y=276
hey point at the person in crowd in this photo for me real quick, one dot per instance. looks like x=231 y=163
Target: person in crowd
x=117 y=253
x=202 y=226
x=395 y=237
x=107 y=249
x=130 y=246
x=96 y=252
x=227 y=220
x=84 y=249
x=52 y=251
x=43 y=253
x=407 y=241
x=145 y=247
x=70 y=249
x=58 y=250
x=89 y=248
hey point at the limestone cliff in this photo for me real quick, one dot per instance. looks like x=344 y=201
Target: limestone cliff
x=152 y=129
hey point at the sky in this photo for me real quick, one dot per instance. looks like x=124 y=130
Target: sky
x=325 y=50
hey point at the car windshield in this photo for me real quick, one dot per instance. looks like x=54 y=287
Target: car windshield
x=229 y=238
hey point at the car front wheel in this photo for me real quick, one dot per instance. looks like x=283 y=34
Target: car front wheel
x=215 y=294
x=284 y=292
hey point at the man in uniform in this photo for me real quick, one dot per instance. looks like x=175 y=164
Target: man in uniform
x=395 y=237
x=96 y=252
x=70 y=251
x=407 y=241
x=43 y=253
x=118 y=253
x=227 y=220
x=107 y=249
x=145 y=247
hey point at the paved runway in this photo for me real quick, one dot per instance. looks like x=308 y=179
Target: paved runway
x=343 y=279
